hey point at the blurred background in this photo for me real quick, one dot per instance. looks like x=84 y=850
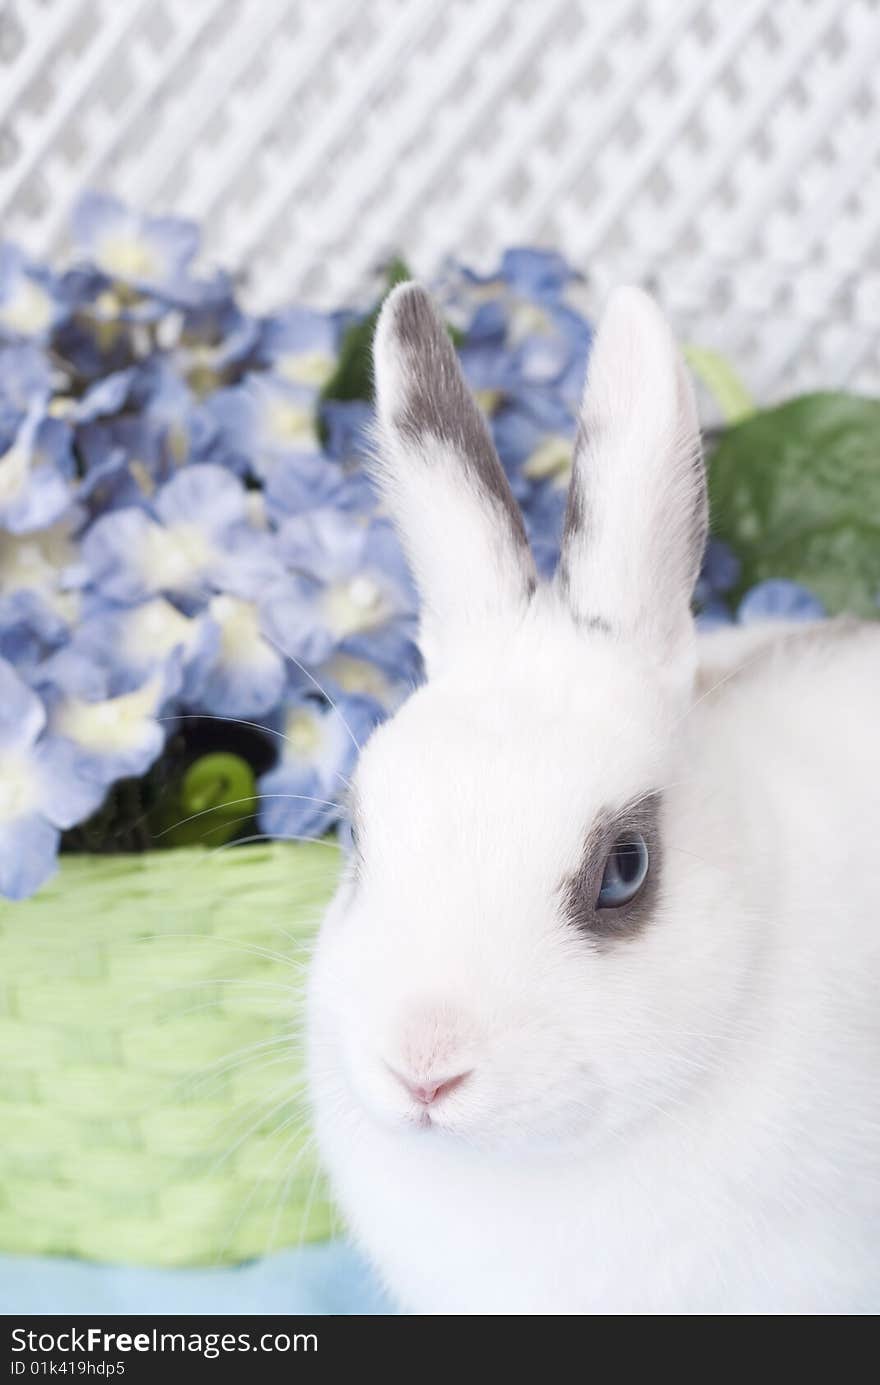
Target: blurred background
x=726 y=155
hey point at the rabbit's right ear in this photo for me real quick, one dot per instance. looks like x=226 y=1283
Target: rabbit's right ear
x=442 y=481
x=637 y=512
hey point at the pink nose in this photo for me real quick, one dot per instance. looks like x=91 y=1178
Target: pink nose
x=426 y=1093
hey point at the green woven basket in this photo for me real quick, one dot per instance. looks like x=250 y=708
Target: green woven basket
x=151 y=1102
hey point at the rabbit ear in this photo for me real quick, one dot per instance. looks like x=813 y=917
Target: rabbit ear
x=636 y=521
x=442 y=481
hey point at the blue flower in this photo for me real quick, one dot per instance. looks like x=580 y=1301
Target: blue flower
x=301 y=346
x=151 y=254
x=198 y=539
x=488 y=369
x=29 y=629
x=551 y=346
x=99 y=334
x=534 y=435
x=525 y=273
x=779 y=599
x=519 y=332
x=348 y=579
x=109 y=306
x=383 y=665
x=36 y=564
x=128 y=455
x=348 y=424
x=246 y=676
x=35 y=471
x=124 y=461
x=297 y=484
x=187 y=430
x=45 y=786
x=719 y=572
x=117 y=735
x=543 y=511
x=103 y=398
x=29 y=303
x=300 y=797
x=214 y=341
x=25 y=387
x=540 y=274
x=266 y=419
x=713 y=615
x=334 y=550
x=127 y=645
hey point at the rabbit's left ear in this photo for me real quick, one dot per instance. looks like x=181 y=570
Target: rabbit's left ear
x=637 y=515
x=443 y=483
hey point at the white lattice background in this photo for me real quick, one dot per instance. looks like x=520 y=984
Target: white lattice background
x=725 y=152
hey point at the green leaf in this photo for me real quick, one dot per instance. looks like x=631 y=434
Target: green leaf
x=722 y=382
x=217 y=793
x=795 y=491
x=353 y=376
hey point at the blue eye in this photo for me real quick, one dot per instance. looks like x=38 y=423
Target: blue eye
x=625 y=871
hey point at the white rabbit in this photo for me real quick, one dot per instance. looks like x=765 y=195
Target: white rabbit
x=593 y=1018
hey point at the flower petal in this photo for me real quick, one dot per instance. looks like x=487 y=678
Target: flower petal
x=206 y=495
x=120 y=736
x=293 y=804
x=66 y=794
x=779 y=599
x=247 y=677
x=116 y=555
x=22 y=714
x=28 y=852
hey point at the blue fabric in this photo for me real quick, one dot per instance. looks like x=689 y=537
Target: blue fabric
x=324 y=1279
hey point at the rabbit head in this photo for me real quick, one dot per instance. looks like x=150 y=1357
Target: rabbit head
x=522 y=942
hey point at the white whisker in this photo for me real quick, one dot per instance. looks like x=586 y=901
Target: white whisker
x=235 y=943
x=322 y=690
x=236 y=721
x=249 y=798
x=271 y=837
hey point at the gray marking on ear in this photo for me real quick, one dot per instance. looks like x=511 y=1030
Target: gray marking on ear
x=576 y=512
x=671 y=546
x=578 y=525
x=580 y=890
x=598 y=624
x=700 y=513
x=438 y=403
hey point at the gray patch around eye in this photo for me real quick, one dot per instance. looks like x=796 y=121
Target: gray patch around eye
x=580 y=891
x=438 y=404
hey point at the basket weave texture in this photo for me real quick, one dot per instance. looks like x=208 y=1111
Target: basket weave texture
x=151 y=1102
